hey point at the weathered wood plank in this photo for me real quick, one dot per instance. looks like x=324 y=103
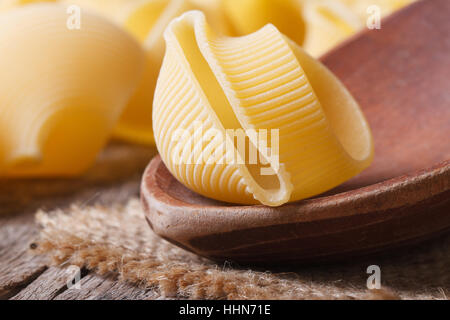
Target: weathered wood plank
x=95 y=287
x=17 y=267
x=114 y=178
x=48 y=285
x=125 y=291
x=90 y=287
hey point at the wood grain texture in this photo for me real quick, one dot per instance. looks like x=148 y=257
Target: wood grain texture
x=114 y=179
x=401 y=77
x=52 y=284
x=17 y=267
x=95 y=287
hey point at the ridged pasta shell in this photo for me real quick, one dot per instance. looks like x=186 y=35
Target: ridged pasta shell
x=260 y=81
x=62 y=89
x=147 y=22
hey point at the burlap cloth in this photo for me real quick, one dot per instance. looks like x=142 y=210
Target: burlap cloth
x=117 y=239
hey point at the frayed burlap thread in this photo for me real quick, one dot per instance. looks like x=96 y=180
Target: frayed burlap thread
x=117 y=239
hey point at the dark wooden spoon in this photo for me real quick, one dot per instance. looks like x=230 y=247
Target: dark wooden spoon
x=401 y=77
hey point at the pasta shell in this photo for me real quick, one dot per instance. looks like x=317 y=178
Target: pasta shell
x=215 y=14
x=116 y=10
x=247 y=16
x=9 y=4
x=386 y=7
x=210 y=84
x=147 y=23
x=328 y=23
x=63 y=87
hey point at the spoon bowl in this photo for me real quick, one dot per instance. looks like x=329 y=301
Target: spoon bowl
x=400 y=75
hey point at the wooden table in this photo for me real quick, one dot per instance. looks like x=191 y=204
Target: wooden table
x=115 y=177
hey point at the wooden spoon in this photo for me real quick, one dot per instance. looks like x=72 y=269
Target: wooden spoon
x=401 y=77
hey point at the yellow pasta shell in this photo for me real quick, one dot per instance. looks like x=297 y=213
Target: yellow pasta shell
x=62 y=88
x=115 y=10
x=216 y=15
x=259 y=81
x=247 y=16
x=9 y=4
x=386 y=7
x=147 y=22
